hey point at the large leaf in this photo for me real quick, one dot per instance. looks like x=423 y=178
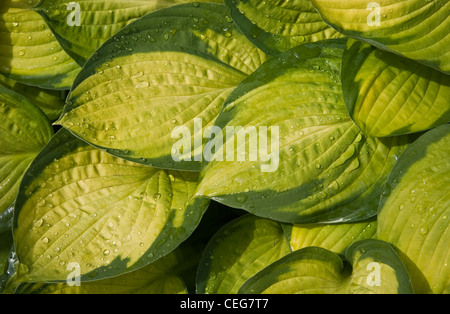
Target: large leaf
x=51 y=102
x=415 y=29
x=277 y=26
x=389 y=95
x=24 y=132
x=376 y=269
x=30 y=53
x=158 y=75
x=415 y=208
x=160 y=277
x=333 y=237
x=324 y=169
x=237 y=252
x=97 y=21
x=78 y=204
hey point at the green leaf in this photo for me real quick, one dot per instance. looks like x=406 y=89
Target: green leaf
x=84 y=26
x=160 y=277
x=277 y=26
x=389 y=95
x=78 y=204
x=30 y=53
x=239 y=250
x=51 y=102
x=335 y=238
x=415 y=208
x=156 y=77
x=415 y=29
x=321 y=168
x=375 y=269
x=24 y=132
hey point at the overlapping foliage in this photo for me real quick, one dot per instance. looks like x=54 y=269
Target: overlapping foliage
x=358 y=112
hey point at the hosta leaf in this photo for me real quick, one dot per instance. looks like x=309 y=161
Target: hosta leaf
x=24 y=131
x=277 y=26
x=96 y=22
x=160 y=277
x=323 y=168
x=238 y=251
x=415 y=208
x=415 y=29
x=51 y=102
x=78 y=204
x=389 y=95
x=30 y=53
x=376 y=268
x=166 y=70
x=335 y=238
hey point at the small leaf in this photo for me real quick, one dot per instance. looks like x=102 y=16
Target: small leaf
x=30 y=53
x=277 y=26
x=415 y=29
x=376 y=269
x=305 y=160
x=78 y=204
x=24 y=132
x=155 y=79
x=389 y=95
x=415 y=209
x=238 y=251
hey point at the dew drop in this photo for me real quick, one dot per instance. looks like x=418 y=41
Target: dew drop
x=358 y=138
x=229 y=107
x=423 y=231
x=228 y=19
x=22 y=53
x=142 y=84
x=241 y=198
x=334 y=186
x=354 y=165
x=298 y=39
x=45 y=240
x=106 y=252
